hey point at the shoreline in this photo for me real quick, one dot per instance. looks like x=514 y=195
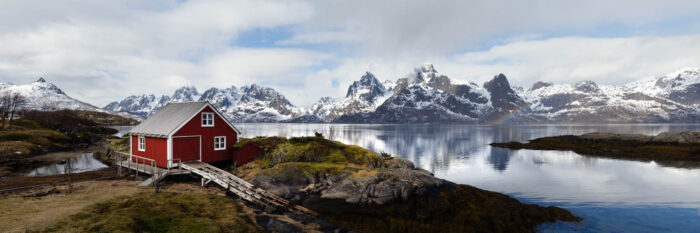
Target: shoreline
x=680 y=149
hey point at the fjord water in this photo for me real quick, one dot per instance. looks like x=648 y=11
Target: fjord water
x=612 y=195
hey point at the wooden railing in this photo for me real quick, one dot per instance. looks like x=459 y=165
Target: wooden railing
x=136 y=163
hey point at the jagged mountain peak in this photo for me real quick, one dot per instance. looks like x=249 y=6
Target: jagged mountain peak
x=540 y=84
x=367 y=88
x=428 y=68
x=587 y=86
x=503 y=97
x=42 y=84
x=252 y=103
x=498 y=82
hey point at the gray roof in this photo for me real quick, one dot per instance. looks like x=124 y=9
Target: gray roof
x=167 y=119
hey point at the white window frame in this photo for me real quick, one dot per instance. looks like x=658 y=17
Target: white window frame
x=220 y=143
x=142 y=143
x=207 y=119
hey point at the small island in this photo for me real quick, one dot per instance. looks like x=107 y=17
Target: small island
x=674 y=149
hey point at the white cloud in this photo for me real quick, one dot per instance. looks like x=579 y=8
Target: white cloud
x=103 y=51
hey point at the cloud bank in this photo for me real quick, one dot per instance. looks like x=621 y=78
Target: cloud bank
x=103 y=51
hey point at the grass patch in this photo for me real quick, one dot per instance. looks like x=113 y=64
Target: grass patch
x=18 y=147
x=121 y=144
x=308 y=155
x=161 y=212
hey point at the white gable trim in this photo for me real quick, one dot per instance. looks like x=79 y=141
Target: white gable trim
x=238 y=132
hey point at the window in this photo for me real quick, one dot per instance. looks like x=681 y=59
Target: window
x=207 y=119
x=142 y=143
x=220 y=143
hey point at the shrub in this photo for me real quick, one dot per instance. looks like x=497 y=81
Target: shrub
x=385 y=156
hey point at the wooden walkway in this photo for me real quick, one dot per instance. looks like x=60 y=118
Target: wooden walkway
x=157 y=173
x=242 y=188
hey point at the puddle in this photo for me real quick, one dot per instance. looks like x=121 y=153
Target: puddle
x=81 y=163
x=122 y=129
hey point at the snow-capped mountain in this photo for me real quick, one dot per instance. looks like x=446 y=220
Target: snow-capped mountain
x=142 y=105
x=363 y=96
x=588 y=102
x=425 y=96
x=682 y=86
x=245 y=104
x=44 y=96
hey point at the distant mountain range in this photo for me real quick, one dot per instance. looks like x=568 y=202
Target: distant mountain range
x=45 y=96
x=424 y=96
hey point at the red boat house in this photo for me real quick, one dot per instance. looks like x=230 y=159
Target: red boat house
x=181 y=132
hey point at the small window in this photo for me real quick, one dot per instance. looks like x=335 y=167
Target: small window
x=142 y=143
x=207 y=119
x=220 y=143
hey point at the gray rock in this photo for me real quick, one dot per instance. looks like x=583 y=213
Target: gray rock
x=389 y=185
x=680 y=137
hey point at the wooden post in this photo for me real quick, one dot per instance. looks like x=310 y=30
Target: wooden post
x=68 y=171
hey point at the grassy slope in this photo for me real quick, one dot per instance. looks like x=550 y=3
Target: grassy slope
x=310 y=155
x=161 y=212
x=18 y=214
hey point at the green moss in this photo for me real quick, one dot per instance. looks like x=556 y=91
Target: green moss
x=161 y=212
x=27 y=124
x=14 y=147
x=121 y=144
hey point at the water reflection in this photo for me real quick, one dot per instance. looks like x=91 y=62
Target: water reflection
x=82 y=163
x=460 y=153
x=121 y=129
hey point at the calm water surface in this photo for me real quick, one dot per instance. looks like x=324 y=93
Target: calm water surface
x=81 y=163
x=613 y=195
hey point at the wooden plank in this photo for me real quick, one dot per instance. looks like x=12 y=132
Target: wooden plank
x=242 y=188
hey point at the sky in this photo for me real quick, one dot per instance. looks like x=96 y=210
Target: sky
x=102 y=51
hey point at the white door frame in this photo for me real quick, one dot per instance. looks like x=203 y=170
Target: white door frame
x=192 y=136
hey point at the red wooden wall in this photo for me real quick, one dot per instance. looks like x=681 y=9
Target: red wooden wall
x=156 y=148
x=194 y=127
x=246 y=153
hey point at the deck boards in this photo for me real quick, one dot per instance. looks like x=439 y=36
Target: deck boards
x=228 y=181
x=242 y=188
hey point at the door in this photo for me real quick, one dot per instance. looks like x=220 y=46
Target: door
x=186 y=148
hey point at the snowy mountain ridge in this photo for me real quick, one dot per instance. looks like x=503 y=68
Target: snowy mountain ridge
x=245 y=104
x=422 y=96
x=45 y=96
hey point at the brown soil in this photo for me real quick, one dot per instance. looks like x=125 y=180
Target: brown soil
x=22 y=181
x=665 y=154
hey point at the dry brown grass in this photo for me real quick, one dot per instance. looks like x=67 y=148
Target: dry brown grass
x=18 y=214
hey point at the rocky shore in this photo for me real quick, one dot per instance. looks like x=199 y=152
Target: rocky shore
x=676 y=148
x=357 y=189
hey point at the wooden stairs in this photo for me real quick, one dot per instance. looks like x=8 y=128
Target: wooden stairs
x=242 y=188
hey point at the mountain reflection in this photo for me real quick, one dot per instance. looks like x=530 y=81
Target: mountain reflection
x=437 y=147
